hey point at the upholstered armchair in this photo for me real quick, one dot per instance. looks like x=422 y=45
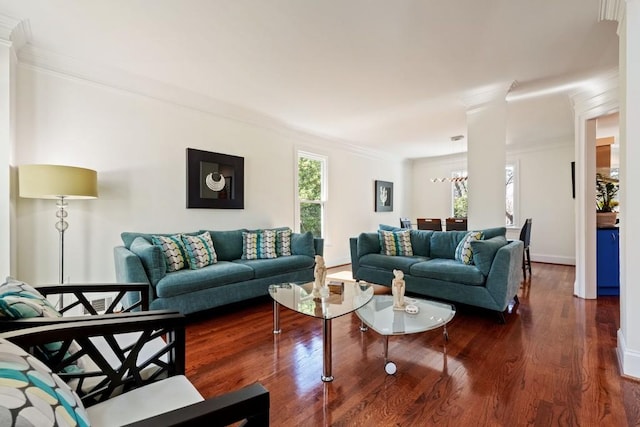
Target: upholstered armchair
x=117 y=385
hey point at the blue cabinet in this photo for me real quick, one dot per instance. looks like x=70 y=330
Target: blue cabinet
x=608 y=262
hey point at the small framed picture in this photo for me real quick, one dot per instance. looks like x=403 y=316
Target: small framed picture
x=214 y=180
x=383 y=194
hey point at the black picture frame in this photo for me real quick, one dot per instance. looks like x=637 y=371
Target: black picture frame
x=214 y=180
x=383 y=196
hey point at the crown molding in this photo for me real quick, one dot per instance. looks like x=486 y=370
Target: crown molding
x=14 y=32
x=612 y=10
x=478 y=99
x=112 y=77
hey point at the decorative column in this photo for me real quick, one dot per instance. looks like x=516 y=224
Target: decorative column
x=486 y=160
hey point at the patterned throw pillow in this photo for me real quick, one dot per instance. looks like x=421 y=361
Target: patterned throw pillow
x=464 y=252
x=259 y=244
x=283 y=242
x=174 y=251
x=19 y=300
x=200 y=251
x=32 y=394
x=395 y=243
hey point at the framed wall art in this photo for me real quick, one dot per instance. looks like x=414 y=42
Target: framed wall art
x=383 y=194
x=214 y=180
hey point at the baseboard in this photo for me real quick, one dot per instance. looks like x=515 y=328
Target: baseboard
x=628 y=360
x=552 y=259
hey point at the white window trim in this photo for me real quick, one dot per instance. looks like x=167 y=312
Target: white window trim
x=324 y=161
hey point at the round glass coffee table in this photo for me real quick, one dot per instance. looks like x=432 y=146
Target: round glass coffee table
x=380 y=316
x=331 y=301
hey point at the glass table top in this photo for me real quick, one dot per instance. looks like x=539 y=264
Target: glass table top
x=380 y=316
x=330 y=302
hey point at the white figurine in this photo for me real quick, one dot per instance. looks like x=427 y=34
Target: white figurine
x=320 y=274
x=397 y=289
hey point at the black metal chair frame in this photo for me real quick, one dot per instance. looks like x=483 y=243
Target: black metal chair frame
x=525 y=236
x=250 y=404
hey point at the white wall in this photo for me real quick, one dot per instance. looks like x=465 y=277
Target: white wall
x=138 y=146
x=543 y=175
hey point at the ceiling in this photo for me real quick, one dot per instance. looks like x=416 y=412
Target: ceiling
x=393 y=76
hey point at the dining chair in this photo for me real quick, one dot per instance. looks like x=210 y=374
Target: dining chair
x=525 y=236
x=429 y=224
x=456 y=224
x=405 y=223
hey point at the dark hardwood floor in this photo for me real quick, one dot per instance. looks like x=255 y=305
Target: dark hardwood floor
x=552 y=364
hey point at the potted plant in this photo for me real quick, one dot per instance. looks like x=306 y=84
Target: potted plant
x=606 y=202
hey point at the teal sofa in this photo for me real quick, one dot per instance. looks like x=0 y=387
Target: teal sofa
x=231 y=279
x=491 y=281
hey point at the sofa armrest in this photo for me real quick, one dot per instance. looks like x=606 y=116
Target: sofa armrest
x=505 y=274
x=318 y=244
x=249 y=404
x=129 y=269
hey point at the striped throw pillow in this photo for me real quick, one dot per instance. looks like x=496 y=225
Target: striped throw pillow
x=395 y=243
x=200 y=250
x=464 y=251
x=174 y=251
x=259 y=244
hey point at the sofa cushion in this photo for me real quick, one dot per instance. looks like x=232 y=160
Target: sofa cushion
x=214 y=275
x=259 y=244
x=228 y=243
x=448 y=270
x=490 y=233
x=421 y=242
x=145 y=402
x=464 y=252
x=384 y=262
x=174 y=251
x=32 y=394
x=444 y=243
x=152 y=258
x=485 y=250
x=368 y=243
x=273 y=267
x=200 y=250
x=302 y=244
x=129 y=236
x=395 y=243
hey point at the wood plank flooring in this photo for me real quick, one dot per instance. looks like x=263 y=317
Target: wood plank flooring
x=552 y=364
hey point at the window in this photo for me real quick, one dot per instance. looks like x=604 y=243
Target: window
x=311 y=193
x=459 y=191
x=459 y=194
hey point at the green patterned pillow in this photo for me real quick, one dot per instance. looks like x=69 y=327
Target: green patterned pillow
x=283 y=242
x=464 y=252
x=395 y=243
x=174 y=251
x=31 y=395
x=200 y=250
x=259 y=244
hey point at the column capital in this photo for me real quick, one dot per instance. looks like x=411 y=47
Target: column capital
x=13 y=32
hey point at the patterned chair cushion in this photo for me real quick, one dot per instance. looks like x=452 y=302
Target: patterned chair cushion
x=259 y=244
x=395 y=243
x=31 y=395
x=464 y=251
x=200 y=250
x=174 y=251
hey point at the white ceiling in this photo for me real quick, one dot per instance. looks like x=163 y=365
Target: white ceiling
x=394 y=76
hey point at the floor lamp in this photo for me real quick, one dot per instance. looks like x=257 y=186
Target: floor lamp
x=60 y=183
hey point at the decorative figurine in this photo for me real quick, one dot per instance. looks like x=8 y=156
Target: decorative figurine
x=320 y=274
x=397 y=289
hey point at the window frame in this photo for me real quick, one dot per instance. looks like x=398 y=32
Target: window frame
x=324 y=160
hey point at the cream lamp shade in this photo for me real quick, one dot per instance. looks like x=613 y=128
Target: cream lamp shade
x=55 y=181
